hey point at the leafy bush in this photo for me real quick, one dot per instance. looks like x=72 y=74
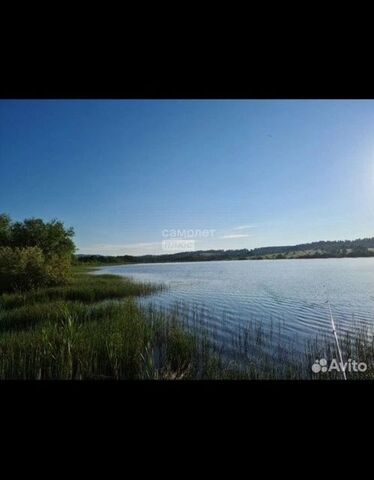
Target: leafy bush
x=58 y=269
x=22 y=268
x=34 y=253
x=26 y=268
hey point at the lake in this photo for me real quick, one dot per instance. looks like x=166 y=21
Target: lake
x=290 y=293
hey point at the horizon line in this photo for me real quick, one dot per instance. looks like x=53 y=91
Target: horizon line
x=213 y=249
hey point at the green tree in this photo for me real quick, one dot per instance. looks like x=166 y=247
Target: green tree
x=52 y=237
x=359 y=252
x=34 y=253
x=5 y=224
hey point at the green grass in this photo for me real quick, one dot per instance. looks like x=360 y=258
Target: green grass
x=95 y=329
x=99 y=341
x=83 y=288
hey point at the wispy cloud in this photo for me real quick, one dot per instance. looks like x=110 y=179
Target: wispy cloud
x=237 y=235
x=244 y=227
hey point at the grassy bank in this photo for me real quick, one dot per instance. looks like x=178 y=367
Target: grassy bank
x=93 y=328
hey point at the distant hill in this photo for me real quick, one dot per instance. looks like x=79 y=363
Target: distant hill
x=362 y=247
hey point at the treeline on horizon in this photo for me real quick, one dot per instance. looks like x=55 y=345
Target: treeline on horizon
x=321 y=249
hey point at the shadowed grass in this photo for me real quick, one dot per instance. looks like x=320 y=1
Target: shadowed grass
x=84 y=288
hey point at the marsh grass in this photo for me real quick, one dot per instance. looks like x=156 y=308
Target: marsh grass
x=267 y=355
x=250 y=351
x=107 y=341
x=84 y=288
x=95 y=328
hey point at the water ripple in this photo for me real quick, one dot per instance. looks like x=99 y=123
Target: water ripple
x=287 y=295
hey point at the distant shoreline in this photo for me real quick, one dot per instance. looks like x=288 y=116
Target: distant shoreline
x=104 y=264
x=361 y=247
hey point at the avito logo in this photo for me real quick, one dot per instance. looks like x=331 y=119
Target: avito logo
x=322 y=366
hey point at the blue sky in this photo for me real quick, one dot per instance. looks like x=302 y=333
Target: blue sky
x=254 y=173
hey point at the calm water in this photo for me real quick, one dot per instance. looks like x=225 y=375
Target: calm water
x=292 y=293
